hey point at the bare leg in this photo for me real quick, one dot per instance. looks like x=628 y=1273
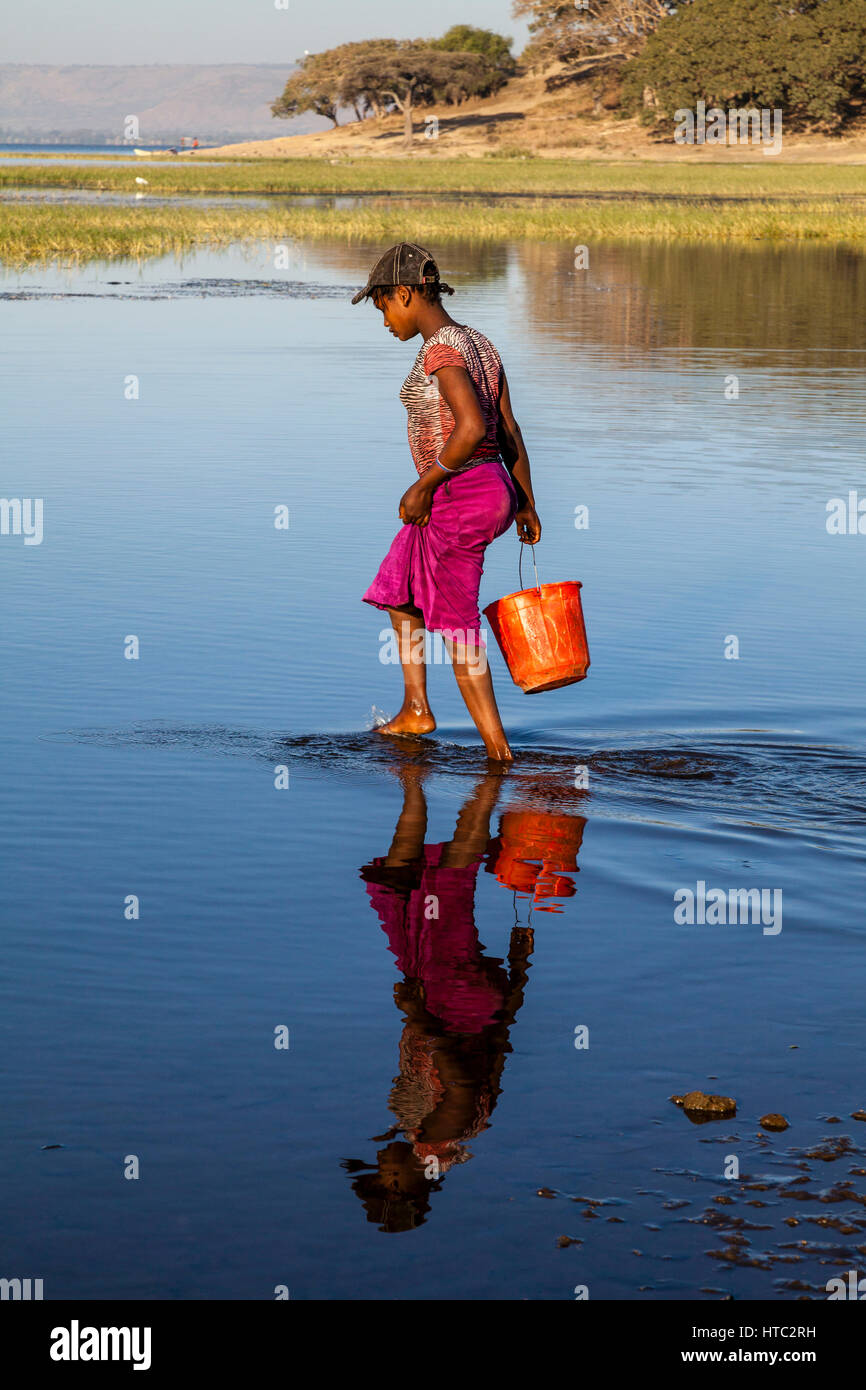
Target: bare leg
x=415 y=715
x=476 y=686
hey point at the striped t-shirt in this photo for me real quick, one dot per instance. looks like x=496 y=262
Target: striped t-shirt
x=430 y=419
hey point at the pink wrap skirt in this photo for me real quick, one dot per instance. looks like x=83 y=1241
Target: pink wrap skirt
x=437 y=568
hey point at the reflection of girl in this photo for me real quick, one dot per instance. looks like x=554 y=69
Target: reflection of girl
x=458 y=1003
x=474 y=481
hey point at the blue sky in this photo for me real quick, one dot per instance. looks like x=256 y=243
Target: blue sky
x=225 y=31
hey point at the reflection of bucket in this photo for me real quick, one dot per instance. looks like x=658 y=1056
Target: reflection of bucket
x=544 y=835
x=538 y=851
x=542 y=636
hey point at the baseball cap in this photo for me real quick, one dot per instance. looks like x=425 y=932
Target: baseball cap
x=404 y=264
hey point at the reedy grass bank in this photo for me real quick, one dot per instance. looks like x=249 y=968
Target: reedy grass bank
x=763 y=178
x=69 y=234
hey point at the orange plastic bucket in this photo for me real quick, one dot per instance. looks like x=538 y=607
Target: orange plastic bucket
x=541 y=635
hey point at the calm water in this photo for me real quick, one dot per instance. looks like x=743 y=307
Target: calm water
x=22 y=148
x=92 y=154
x=303 y=909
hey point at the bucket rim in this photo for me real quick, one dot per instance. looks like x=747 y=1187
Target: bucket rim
x=534 y=589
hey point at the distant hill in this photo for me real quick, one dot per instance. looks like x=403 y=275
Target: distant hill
x=45 y=104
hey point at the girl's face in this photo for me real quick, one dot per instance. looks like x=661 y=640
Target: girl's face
x=397 y=309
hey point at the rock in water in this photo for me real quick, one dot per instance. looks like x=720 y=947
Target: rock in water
x=699 y=1103
x=774 y=1121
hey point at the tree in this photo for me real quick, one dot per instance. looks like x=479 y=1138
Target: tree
x=353 y=65
x=493 y=48
x=413 y=73
x=381 y=75
x=591 y=34
x=335 y=78
x=806 y=57
x=314 y=87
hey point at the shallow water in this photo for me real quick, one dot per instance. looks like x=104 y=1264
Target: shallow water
x=260 y=908
x=86 y=154
x=338 y=202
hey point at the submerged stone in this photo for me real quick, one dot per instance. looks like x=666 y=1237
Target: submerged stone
x=699 y=1103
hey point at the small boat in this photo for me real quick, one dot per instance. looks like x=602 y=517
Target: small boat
x=188 y=143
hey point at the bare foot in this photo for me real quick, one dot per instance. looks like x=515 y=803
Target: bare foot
x=411 y=719
x=499 y=753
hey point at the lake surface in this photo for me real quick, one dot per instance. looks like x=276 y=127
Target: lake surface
x=527 y=1040
x=84 y=154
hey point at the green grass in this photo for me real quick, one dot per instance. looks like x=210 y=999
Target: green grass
x=38 y=234
x=426 y=174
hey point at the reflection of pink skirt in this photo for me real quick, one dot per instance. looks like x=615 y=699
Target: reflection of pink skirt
x=437 y=567
x=463 y=988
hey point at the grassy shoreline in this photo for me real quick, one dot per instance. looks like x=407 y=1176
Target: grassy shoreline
x=492 y=174
x=768 y=202
x=41 y=234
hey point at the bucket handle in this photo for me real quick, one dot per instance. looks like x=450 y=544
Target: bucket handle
x=531 y=545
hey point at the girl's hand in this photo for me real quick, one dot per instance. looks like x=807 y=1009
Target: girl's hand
x=528 y=525
x=415 y=504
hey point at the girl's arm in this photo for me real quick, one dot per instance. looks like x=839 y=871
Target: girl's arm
x=517 y=462
x=455 y=385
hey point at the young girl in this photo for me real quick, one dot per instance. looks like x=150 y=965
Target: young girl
x=473 y=482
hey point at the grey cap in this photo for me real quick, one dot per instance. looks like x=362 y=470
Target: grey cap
x=404 y=264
